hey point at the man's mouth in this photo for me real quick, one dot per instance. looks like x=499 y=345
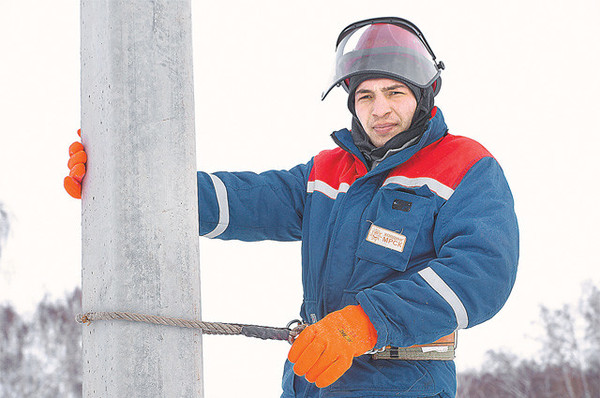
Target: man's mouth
x=384 y=128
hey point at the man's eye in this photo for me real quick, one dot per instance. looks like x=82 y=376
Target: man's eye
x=363 y=97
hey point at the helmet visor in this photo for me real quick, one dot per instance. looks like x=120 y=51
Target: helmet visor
x=386 y=49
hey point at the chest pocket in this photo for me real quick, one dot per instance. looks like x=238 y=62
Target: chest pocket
x=391 y=228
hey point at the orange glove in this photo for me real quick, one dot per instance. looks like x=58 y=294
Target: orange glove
x=76 y=165
x=325 y=350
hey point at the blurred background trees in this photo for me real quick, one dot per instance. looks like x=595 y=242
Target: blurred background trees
x=567 y=367
x=40 y=355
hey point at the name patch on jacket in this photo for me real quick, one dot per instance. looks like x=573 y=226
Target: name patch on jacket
x=386 y=238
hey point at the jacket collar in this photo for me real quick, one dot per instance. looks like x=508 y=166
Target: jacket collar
x=435 y=130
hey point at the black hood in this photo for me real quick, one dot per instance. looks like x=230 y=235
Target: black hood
x=425 y=103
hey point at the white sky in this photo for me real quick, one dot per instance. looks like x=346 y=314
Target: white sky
x=521 y=78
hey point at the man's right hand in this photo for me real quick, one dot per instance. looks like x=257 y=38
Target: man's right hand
x=77 y=161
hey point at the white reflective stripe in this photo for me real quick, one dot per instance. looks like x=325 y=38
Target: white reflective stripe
x=326 y=189
x=440 y=189
x=438 y=284
x=223 y=203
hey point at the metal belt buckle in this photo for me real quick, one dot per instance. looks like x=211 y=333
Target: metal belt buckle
x=440 y=350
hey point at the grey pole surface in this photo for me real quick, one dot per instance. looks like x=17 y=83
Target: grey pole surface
x=140 y=210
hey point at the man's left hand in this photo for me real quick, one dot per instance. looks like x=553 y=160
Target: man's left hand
x=323 y=352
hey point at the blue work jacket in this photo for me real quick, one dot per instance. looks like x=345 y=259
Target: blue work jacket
x=426 y=242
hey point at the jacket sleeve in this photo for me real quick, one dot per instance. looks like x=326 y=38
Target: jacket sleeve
x=251 y=207
x=476 y=241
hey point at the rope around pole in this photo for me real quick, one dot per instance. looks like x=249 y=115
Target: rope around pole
x=216 y=328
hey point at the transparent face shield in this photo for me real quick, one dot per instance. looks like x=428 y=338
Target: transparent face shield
x=386 y=49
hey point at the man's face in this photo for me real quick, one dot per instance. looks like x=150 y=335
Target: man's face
x=385 y=108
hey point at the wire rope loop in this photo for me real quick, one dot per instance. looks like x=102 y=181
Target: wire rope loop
x=295 y=332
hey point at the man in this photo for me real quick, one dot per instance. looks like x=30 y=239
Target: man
x=408 y=232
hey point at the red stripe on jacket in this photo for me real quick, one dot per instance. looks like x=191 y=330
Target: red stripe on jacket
x=335 y=167
x=447 y=161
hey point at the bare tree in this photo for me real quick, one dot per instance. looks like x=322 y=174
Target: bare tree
x=590 y=309
x=568 y=366
x=13 y=335
x=41 y=357
x=4 y=226
x=564 y=347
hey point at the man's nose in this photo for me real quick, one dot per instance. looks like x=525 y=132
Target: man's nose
x=381 y=106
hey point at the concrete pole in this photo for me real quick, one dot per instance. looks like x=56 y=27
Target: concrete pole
x=140 y=215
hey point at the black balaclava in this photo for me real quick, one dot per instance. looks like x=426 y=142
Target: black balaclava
x=425 y=103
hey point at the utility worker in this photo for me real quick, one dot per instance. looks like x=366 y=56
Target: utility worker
x=408 y=232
